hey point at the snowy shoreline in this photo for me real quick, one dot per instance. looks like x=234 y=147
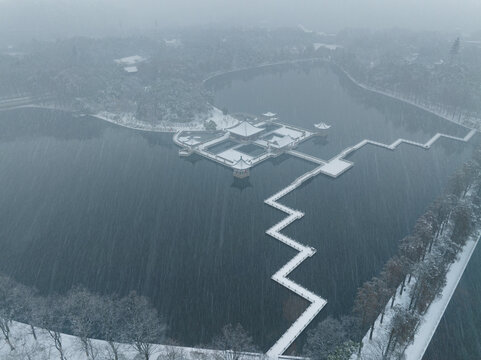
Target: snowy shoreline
x=128 y=120
x=433 y=316
x=467 y=122
x=26 y=347
x=374 y=348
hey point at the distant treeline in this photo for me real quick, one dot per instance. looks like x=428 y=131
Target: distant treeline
x=80 y=73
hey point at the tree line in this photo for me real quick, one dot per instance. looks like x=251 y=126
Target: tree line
x=129 y=322
x=425 y=255
x=130 y=319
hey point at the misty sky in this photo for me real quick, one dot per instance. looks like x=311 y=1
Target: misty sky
x=55 y=18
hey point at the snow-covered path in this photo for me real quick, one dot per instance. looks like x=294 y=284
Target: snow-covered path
x=374 y=349
x=317 y=302
x=433 y=316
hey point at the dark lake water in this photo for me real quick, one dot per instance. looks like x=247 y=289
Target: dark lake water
x=458 y=336
x=87 y=202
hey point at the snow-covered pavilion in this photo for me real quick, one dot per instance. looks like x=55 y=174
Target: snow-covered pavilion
x=244 y=131
x=241 y=168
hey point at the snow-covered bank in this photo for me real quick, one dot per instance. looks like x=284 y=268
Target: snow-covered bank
x=129 y=120
x=463 y=120
x=261 y=66
x=374 y=349
x=433 y=316
x=26 y=347
x=444 y=267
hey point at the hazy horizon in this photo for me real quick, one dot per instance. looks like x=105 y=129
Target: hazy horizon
x=49 y=19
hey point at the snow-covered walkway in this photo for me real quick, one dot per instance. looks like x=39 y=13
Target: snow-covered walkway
x=317 y=302
x=433 y=316
x=374 y=349
x=334 y=167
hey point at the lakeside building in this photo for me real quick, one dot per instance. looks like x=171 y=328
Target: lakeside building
x=245 y=144
x=245 y=131
x=241 y=169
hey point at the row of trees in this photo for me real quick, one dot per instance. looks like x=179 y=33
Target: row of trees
x=425 y=69
x=333 y=339
x=130 y=319
x=118 y=321
x=438 y=237
x=425 y=255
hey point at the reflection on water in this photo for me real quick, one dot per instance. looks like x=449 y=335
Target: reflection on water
x=240 y=184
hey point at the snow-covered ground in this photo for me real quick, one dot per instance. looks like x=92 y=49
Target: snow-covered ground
x=433 y=316
x=129 y=120
x=43 y=349
x=373 y=349
x=326 y=46
x=130 y=60
x=131 y=69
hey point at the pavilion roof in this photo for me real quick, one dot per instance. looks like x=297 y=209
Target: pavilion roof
x=245 y=129
x=269 y=114
x=241 y=164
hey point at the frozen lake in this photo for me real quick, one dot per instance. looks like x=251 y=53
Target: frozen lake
x=87 y=202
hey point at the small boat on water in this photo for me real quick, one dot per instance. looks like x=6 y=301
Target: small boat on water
x=322 y=126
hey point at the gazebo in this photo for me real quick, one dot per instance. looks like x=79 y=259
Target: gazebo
x=241 y=169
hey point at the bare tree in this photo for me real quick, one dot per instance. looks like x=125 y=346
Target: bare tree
x=113 y=326
x=232 y=342
x=425 y=229
x=411 y=250
x=343 y=351
x=463 y=223
x=367 y=304
x=52 y=318
x=142 y=324
x=8 y=308
x=324 y=339
x=84 y=312
x=403 y=328
x=26 y=302
x=394 y=273
x=442 y=209
x=171 y=352
x=430 y=280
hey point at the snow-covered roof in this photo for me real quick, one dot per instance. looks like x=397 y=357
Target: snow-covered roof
x=245 y=129
x=322 y=126
x=269 y=114
x=131 y=69
x=189 y=140
x=130 y=60
x=173 y=42
x=280 y=141
x=241 y=164
x=327 y=46
x=288 y=131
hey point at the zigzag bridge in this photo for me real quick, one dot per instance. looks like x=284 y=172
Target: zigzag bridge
x=335 y=167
